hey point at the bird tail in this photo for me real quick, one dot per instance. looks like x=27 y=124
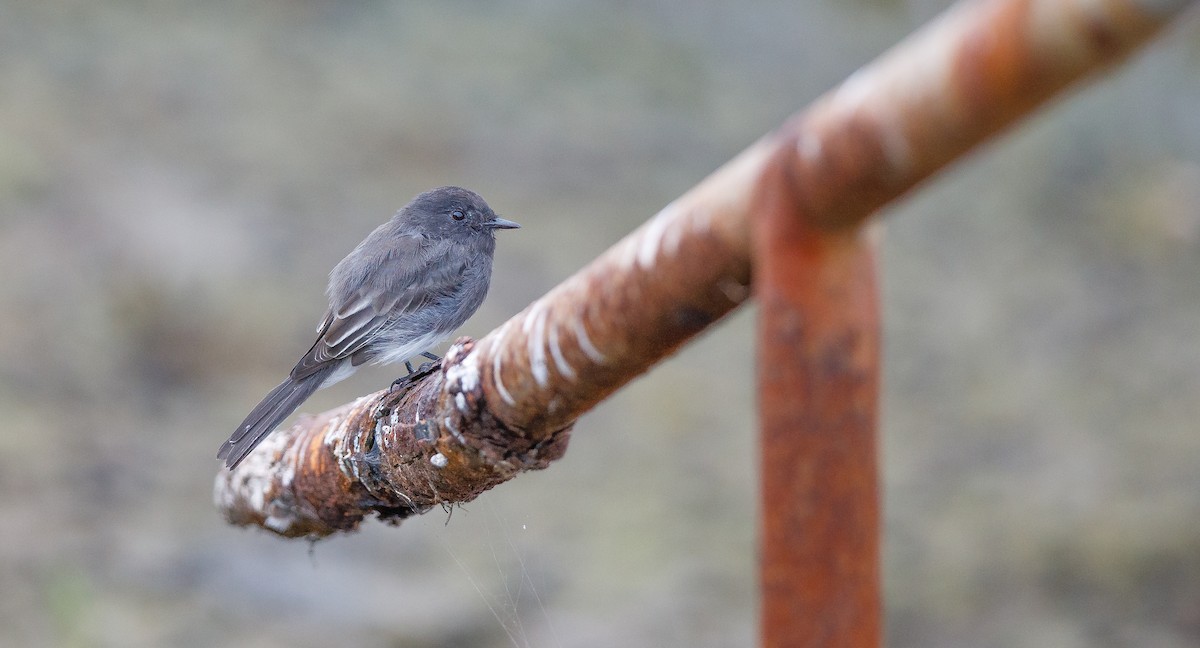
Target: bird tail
x=276 y=406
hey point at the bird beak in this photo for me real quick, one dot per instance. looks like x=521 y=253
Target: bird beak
x=500 y=223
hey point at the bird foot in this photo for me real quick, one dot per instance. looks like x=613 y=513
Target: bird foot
x=414 y=375
x=406 y=381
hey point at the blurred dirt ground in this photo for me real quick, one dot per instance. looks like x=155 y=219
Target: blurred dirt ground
x=177 y=178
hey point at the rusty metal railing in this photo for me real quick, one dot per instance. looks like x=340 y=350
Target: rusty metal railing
x=784 y=220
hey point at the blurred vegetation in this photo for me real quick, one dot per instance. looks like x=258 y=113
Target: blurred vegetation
x=177 y=178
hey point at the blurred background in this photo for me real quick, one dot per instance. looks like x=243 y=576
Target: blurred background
x=177 y=178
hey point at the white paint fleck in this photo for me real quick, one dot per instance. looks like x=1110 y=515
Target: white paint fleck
x=530 y=315
x=453 y=430
x=460 y=402
x=585 y=342
x=895 y=145
x=856 y=88
x=536 y=345
x=701 y=223
x=331 y=429
x=736 y=292
x=628 y=251
x=809 y=147
x=268 y=468
x=224 y=494
x=439 y=460
x=674 y=234
x=278 y=523
x=453 y=353
x=651 y=240
x=466 y=373
x=497 y=369
x=560 y=362
x=291 y=464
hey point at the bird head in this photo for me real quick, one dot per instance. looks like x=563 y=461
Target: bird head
x=454 y=213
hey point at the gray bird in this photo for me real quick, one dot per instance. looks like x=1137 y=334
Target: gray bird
x=405 y=288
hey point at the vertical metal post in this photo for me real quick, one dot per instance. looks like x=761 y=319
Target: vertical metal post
x=818 y=383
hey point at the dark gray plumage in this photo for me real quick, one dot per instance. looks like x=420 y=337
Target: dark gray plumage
x=405 y=288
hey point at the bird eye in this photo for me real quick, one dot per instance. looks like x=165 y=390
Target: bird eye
x=457 y=214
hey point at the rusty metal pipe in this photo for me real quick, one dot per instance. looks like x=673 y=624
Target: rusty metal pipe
x=506 y=403
x=818 y=391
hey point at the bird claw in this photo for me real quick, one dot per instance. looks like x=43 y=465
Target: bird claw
x=414 y=375
x=403 y=382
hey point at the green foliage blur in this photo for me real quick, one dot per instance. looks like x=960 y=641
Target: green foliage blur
x=177 y=178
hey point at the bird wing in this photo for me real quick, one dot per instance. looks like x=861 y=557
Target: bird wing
x=397 y=283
